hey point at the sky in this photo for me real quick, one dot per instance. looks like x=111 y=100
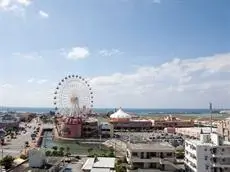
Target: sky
x=134 y=53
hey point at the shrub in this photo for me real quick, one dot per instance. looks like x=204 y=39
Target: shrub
x=48 y=153
x=55 y=153
x=22 y=156
x=55 y=148
x=7 y=161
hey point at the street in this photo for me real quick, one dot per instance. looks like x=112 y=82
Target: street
x=15 y=146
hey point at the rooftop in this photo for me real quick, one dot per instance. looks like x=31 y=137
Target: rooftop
x=212 y=139
x=120 y=114
x=100 y=170
x=152 y=146
x=103 y=162
x=100 y=162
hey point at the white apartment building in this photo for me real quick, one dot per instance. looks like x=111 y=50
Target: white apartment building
x=152 y=157
x=209 y=154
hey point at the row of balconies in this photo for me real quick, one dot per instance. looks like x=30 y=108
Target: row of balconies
x=190 y=163
x=220 y=151
x=220 y=161
x=147 y=155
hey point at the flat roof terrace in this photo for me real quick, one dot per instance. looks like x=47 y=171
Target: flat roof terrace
x=156 y=147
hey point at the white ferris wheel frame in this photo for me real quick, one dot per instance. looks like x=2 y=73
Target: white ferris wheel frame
x=73 y=86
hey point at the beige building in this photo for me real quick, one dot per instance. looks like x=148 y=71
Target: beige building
x=151 y=157
x=194 y=131
x=171 y=121
x=223 y=129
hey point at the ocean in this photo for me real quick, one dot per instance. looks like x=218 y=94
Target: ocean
x=105 y=110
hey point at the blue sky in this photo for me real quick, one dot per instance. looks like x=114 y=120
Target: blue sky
x=135 y=53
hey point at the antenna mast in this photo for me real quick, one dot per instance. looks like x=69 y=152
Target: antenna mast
x=210 y=109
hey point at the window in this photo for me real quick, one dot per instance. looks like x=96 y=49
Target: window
x=134 y=154
x=205 y=149
x=169 y=154
x=206 y=167
x=222 y=150
x=142 y=155
x=206 y=157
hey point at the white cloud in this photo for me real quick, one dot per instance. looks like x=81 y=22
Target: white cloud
x=171 y=84
x=38 y=81
x=43 y=14
x=78 y=53
x=31 y=80
x=178 y=83
x=42 y=81
x=16 y=6
x=24 y=2
x=109 y=53
x=7 y=86
x=28 y=56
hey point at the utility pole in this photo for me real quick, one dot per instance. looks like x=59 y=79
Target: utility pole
x=2 y=157
x=210 y=109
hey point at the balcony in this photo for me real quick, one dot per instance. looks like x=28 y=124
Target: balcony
x=219 y=165
x=221 y=155
x=148 y=160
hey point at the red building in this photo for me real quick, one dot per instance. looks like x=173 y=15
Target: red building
x=71 y=127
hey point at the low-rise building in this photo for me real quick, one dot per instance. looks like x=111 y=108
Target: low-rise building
x=145 y=157
x=99 y=164
x=106 y=129
x=123 y=121
x=194 y=131
x=209 y=154
x=9 y=121
x=171 y=121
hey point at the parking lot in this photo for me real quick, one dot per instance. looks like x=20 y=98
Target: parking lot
x=143 y=137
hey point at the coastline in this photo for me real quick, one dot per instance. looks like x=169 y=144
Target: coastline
x=137 y=111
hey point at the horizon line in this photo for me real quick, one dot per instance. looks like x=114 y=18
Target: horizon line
x=114 y=108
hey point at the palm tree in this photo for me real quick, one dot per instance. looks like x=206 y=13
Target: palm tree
x=67 y=151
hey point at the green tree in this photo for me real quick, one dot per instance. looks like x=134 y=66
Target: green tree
x=61 y=149
x=55 y=153
x=48 y=153
x=55 y=148
x=26 y=144
x=119 y=167
x=11 y=135
x=90 y=150
x=60 y=153
x=22 y=156
x=7 y=161
x=111 y=154
x=67 y=149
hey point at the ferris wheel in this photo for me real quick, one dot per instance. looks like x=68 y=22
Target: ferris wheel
x=73 y=96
